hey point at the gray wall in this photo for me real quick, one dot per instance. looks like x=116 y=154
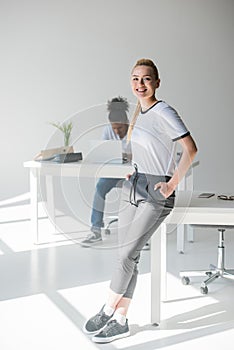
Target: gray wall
x=63 y=56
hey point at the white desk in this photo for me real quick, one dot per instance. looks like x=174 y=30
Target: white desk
x=81 y=169
x=188 y=210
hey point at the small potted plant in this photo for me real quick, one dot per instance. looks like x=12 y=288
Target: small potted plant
x=66 y=129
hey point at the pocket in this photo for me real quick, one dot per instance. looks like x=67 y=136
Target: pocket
x=141 y=188
x=156 y=195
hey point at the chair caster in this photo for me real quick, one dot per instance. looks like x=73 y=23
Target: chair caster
x=204 y=290
x=107 y=231
x=209 y=273
x=185 y=280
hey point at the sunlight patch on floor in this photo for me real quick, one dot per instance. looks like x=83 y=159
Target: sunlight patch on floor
x=35 y=322
x=15 y=221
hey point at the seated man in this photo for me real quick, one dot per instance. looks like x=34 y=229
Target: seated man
x=116 y=130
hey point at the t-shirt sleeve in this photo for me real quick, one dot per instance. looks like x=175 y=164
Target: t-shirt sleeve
x=173 y=124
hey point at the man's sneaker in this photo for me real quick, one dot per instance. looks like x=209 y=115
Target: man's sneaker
x=97 y=322
x=91 y=239
x=112 y=331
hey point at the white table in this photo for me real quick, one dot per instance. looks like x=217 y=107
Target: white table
x=50 y=169
x=189 y=209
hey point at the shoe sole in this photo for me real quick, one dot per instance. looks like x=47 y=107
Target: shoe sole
x=110 y=339
x=94 y=332
x=87 y=245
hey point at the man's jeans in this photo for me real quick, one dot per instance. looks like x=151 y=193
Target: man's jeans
x=103 y=186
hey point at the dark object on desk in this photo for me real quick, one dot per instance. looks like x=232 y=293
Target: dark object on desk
x=63 y=158
x=206 y=195
x=48 y=154
x=67 y=158
x=225 y=198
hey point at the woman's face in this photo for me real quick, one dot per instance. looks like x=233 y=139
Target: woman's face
x=143 y=82
x=120 y=129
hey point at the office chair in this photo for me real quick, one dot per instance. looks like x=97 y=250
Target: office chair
x=111 y=219
x=214 y=271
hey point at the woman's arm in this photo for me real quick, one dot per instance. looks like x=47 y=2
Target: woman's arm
x=189 y=151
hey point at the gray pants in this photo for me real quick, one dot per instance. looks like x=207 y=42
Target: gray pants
x=141 y=212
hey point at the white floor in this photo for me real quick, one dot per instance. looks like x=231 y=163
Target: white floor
x=48 y=290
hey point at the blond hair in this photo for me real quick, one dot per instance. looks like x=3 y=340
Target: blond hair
x=142 y=62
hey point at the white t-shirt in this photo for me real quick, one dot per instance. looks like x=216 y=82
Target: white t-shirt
x=109 y=134
x=153 y=137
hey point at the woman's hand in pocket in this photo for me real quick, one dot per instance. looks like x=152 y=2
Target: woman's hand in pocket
x=164 y=188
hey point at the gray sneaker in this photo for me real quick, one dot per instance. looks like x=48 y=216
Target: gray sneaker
x=91 y=239
x=112 y=331
x=97 y=322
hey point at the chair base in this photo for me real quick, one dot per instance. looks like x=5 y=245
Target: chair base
x=214 y=272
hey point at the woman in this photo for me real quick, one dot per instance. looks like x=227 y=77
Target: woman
x=147 y=195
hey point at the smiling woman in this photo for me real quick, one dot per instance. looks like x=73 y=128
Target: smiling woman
x=147 y=194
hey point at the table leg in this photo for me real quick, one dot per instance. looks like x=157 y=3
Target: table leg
x=181 y=231
x=181 y=228
x=186 y=184
x=163 y=262
x=189 y=187
x=158 y=278
x=34 y=203
x=180 y=238
x=190 y=234
x=50 y=201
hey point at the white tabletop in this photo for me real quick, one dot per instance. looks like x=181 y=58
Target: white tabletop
x=190 y=209
x=81 y=169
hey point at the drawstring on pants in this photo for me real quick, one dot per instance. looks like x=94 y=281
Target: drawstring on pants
x=133 y=187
